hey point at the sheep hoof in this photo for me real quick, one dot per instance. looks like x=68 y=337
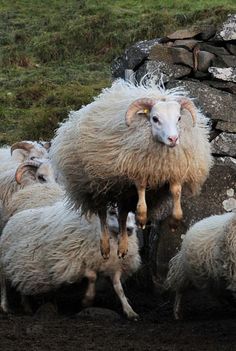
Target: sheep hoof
x=122 y=254
x=132 y=316
x=141 y=219
x=174 y=223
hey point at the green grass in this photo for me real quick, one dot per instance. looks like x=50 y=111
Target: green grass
x=56 y=55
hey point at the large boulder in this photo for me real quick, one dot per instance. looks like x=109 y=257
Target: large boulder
x=228 y=29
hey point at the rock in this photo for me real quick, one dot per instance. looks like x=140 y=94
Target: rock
x=224 y=144
x=226 y=161
x=228 y=74
x=46 y=311
x=222 y=85
x=224 y=61
x=229 y=204
x=98 y=314
x=201 y=75
x=208 y=31
x=204 y=60
x=217 y=50
x=231 y=47
x=216 y=104
x=228 y=29
x=162 y=71
x=230 y=192
x=226 y=126
x=209 y=202
x=171 y=55
x=184 y=33
x=188 y=43
x=132 y=57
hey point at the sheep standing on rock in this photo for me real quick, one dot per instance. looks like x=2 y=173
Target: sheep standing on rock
x=42 y=248
x=207 y=259
x=131 y=136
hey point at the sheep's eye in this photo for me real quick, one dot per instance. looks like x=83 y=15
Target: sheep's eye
x=179 y=119
x=41 y=179
x=155 y=119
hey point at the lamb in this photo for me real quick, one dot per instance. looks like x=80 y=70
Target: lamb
x=207 y=259
x=55 y=245
x=132 y=137
x=12 y=156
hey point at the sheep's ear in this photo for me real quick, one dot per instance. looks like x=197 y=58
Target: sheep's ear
x=46 y=144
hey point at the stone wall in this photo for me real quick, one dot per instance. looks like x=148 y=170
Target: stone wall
x=203 y=62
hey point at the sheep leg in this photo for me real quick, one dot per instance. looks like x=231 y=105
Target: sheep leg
x=141 y=214
x=90 y=292
x=105 y=237
x=177 y=213
x=4 y=301
x=123 y=236
x=177 y=305
x=127 y=309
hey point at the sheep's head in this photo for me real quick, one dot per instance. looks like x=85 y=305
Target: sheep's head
x=35 y=171
x=24 y=150
x=164 y=117
x=113 y=225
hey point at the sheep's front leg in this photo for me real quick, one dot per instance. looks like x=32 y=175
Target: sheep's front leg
x=129 y=312
x=105 y=237
x=90 y=292
x=141 y=214
x=177 y=213
x=4 y=300
x=123 y=236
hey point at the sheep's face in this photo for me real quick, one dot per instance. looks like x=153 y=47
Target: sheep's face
x=113 y=225
x=28 y=150
x=164 y=119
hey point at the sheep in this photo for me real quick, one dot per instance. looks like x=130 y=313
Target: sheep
x=206 y=260
x=43 y=248
x=33 y=184
x=12 y=156
x=131 y=137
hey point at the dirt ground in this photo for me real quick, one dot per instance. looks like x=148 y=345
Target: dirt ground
x=207 y=325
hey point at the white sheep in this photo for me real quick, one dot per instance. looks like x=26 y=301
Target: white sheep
x=42 y=248
x=19 y=152
x=33 y=184
x=131 y=139
x=207 y=259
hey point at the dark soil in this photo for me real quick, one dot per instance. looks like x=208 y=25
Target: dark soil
x=207 y=325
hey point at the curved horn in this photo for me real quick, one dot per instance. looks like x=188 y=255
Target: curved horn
x=189 y=105
x=23 y=167
x=144 y=103
x=21 y=145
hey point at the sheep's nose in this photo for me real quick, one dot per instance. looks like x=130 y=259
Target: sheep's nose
x=129 y=230
x=173 y=139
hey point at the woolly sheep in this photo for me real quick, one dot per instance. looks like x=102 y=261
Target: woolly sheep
x=207 y=258
x=42 y=248
x=31 y=185
x=131 y=136
x=11 y=157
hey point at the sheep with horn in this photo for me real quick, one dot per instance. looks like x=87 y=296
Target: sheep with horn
x=127 y=144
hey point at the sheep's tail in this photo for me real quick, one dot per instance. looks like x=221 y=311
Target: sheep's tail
x=176 y=278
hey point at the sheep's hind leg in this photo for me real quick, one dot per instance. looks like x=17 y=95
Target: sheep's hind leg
x=90 y=292
x=123 y=236
x=177 y=305
x=4 y=301
x=141 y=214
x=129 y=312
x=177 y=213
x=105 y=237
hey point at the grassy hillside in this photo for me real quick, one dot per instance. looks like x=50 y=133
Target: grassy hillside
x=56 y=55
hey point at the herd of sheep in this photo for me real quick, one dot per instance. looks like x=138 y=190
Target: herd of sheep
x=70 y=208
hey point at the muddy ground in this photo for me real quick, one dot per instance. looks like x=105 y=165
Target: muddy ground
x=207 y=325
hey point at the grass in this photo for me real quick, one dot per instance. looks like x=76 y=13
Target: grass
x=56 y=55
